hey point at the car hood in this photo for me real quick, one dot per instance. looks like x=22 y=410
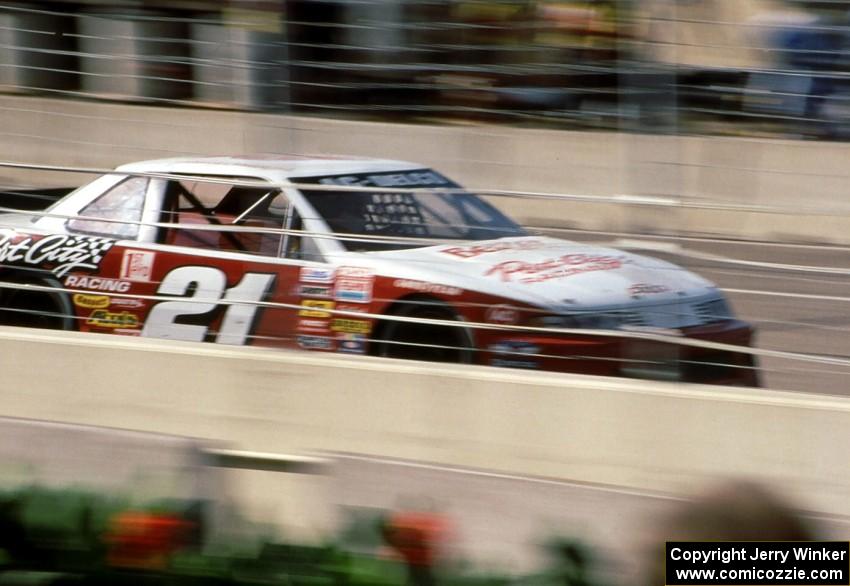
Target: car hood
x=543 y=271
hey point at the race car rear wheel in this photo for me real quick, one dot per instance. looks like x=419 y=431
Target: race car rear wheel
x=423 y=340
x=31 y=308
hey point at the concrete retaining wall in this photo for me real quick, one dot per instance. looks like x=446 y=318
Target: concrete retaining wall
x=796 y=189
x=642 y=435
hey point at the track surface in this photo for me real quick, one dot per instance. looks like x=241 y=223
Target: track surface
x=787 y=317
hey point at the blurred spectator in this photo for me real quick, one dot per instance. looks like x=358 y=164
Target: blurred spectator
x=139 y=540
x=571 y=563
x=419 y=536
x=14 y=540
x=732 y=511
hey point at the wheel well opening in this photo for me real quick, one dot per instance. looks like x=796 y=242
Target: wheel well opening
x=35 y=308
x=457 y=340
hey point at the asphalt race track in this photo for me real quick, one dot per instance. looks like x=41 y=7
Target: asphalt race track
x=795 y=310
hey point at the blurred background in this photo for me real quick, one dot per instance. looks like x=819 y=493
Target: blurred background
x=716 y=67
x=709 y=132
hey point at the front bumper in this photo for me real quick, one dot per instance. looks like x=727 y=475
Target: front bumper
x=631 y=357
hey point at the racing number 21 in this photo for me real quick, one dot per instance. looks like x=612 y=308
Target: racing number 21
x=209 y=290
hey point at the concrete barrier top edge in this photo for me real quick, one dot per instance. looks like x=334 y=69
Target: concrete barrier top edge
x=537 y=379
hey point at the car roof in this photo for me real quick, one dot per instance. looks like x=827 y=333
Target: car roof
x=273 y=167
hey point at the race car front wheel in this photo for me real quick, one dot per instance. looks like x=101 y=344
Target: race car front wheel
x=24 y=306
x=419 y=338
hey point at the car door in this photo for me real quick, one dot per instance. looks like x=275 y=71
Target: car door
x=227 y=268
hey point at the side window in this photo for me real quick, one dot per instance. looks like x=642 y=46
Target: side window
x=125 y=202
x=222 y=216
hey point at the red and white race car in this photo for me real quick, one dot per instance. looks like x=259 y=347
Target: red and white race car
x=356 y=256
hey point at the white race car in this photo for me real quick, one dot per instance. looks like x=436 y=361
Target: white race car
x=357 y=256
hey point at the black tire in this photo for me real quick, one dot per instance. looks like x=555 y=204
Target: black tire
x=424 y=341
x=35 y=309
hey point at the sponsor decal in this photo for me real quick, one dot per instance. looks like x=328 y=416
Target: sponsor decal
x=314 y=325
x=644 y=289
x=354 y=285
x=353 y=290
x=513 y=354
x=315 y=342
x=316 y=275
x=125 y=332
x=424 y=287
x=137 y=265
x=501 y=314
x=556 y=268
x=355 y=272
x=91 y=301
x=108 y=319
x=66 y=252
x=403 y=179
x=351 y=343
x=351 y=326
x=476 y=250
x=127 y=302
x=511 y=347
x=320 y=291
x=351 y=307
x=97 y=284
x=501 y=362
x=315 y=308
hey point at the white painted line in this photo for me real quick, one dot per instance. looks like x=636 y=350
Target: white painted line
x=792 y=295
x=506 y=476
x=647 y=245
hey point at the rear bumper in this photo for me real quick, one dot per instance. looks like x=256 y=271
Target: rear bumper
x=631 y=357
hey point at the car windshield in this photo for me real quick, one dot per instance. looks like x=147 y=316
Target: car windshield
x=427 y=212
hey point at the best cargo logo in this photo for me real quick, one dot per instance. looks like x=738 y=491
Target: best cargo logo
x=68 y=253
x=556 y=268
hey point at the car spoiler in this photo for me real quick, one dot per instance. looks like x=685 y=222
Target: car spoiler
x=32 y=199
